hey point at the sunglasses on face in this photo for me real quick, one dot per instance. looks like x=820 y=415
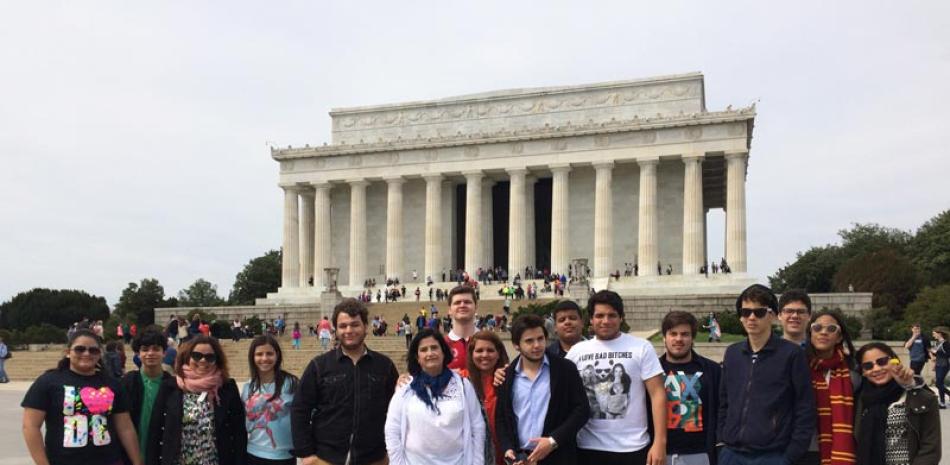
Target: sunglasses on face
x=210 y=358
x=758 y=312
x=881 y=362
x=93 y=350
x=819 y=328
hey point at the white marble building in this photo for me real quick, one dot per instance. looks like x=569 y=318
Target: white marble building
x=614 y=172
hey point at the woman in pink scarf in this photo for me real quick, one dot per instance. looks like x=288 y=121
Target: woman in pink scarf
x=198 y=417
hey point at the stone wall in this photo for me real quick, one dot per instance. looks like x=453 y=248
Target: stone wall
x=307 y=312
x=646 y=312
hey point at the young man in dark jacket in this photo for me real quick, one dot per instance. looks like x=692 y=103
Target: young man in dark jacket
x=766 y=402
x=542 y=403
x=141 y=386
x=341 y=402
x=692 y=392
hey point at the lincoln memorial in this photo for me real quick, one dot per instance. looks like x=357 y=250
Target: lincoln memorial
x=618 y=173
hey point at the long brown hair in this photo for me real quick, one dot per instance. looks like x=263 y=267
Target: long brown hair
x=184 y=354
x=474 y=375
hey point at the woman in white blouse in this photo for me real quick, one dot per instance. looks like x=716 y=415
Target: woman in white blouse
x=435 y=419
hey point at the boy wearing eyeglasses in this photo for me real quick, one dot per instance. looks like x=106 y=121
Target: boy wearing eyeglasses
x=794 y=311
x=766 y=402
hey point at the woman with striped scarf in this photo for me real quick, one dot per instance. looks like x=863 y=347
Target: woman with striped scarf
x=836 y=383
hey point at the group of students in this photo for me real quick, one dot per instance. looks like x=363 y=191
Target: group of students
x=561 y=400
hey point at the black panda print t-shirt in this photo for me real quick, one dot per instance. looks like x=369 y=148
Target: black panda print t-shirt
x=80 y=410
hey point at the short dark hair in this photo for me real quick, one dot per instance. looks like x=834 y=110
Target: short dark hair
x=679 y=317
x=463 y=289
x=759 y=294
x=412 y=358
x=567 y=306
x=526 y=322
x=873 y=345
x=353 y=308
x=606 y=297
x=149 y=337
x=795 y=295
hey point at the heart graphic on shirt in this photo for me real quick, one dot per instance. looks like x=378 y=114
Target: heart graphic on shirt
x=98 y=401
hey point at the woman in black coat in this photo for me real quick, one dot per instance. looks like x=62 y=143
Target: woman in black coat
x=199 y=414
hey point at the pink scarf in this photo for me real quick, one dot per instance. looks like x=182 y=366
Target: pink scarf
x=194 y=383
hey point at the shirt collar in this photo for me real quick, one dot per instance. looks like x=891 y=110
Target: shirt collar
x=340 y=355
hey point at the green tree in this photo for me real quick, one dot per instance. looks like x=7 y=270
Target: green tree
x=930 y=250
x=888 y=274
x=138 y=301
x=870 y=237
x=812 y=270
x=930 y=309
x=200 y=293
x=260 y=276
x=57 y=307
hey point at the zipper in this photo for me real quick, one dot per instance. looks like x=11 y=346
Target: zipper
x=745 y=398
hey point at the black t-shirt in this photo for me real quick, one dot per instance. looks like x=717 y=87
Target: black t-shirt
x=79 y=416
x=685 y=400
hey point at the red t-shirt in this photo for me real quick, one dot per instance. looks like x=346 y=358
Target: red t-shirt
x=204 y=329
x=459 y=349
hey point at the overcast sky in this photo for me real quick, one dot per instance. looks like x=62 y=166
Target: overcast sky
x=133 y=135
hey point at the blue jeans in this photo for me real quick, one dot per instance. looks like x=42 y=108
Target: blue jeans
x=941 y=381
x=3 y=371
x=729 y=456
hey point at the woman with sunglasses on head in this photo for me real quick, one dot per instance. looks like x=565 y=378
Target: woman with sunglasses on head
x=894 y=425
x=268 y=397
x=84 y=409
x=835 y=380
x=198 y=418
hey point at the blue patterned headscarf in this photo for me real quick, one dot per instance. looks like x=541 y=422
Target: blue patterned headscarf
x=435 y=384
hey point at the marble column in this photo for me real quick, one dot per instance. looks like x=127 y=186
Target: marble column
x=531 y=256
x=693 y=214
x=290 y=269
x=603 y=220
x=647 y=247
x=516 y=222
x=560 y=218
x=357 y=232
x=306 y=237
x=488 y=220
x=394 y=239
x=322 y=244
x=473 y=221
x=735 y=211
x=433 y=249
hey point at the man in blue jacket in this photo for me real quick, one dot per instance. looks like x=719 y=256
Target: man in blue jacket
x=766 y=402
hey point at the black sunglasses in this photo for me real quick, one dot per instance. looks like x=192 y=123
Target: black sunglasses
x=93 y=350
x=210 y=358
x=758 y=312
x=881 y=362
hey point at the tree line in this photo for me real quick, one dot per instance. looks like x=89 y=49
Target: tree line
x=908 y=272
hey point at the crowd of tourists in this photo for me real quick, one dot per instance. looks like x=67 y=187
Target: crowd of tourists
x=807 y=397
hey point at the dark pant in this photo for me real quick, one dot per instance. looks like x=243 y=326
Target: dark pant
x=917 y=366
x=729 y=456
x=941 y=379
x=810 y=458
x=252 y=460
x=599 y=457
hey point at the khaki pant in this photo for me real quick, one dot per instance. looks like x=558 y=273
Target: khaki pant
x=382 y=461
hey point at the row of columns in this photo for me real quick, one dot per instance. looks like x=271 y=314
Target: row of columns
x=307 y=241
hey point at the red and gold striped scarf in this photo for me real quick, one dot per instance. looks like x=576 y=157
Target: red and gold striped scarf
x=835 y=401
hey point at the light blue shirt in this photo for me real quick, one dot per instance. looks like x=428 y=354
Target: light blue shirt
x=268 y=423
x=530 y=400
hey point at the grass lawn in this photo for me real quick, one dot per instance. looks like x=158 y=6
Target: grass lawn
x=703 y=336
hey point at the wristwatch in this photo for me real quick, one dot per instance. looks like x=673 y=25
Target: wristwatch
x=553 y=442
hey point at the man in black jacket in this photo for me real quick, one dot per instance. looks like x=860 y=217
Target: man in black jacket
x=692 y=392
x=339 y=410
x=766 y=402
x=141 y=387
x=542 y=403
